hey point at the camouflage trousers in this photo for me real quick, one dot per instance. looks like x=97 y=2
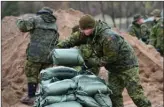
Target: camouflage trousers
x=32 y=70
x=128 y=79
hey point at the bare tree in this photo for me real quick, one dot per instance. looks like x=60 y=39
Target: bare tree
x=102 y=10
x=127 y=13
x=87 y=7
x=113 y=14
x=120 y=10
x=80 y=6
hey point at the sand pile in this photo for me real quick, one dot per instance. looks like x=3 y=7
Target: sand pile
x=14 y=44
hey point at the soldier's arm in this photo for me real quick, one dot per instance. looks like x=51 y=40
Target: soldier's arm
x=152 y=40
x=71 y=41
x=110 y=49
x=25 y=25
x=131 y=31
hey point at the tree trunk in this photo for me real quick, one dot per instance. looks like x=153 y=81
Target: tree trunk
x=120 y=8
x=87 y=7
x=80 y=8
x=127 y=14
x=102 y=10
x=113 y=14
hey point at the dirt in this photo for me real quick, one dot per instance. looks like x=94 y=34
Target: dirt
x=14 y=44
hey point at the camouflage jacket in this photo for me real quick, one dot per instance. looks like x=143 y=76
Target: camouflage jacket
x=140 y=31
x=43 y=36
x=157 y=35
x=111 y=50
x=150 y=24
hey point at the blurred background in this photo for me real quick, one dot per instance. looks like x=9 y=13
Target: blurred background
x=116 y=13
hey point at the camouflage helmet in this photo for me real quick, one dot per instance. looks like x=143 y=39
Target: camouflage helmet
x=156 y=12
x=87 y=21
x=45 y=10
x=137 y=17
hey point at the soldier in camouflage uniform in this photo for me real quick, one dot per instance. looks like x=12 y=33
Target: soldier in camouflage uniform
x=151 y=20
x=139 y=29
x=115 y=54
x=157 y=34
x=43 y=38
x=86 y=52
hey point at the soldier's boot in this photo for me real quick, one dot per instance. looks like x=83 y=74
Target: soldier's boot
x=30 y=97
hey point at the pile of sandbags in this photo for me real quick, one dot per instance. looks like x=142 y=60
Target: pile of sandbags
x=65 y=87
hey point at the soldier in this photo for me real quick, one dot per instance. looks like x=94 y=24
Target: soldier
x=86 y=52
x=115 y=54
x=155 y=15
x=139 y=29
x=157 y=34
x=43 y=38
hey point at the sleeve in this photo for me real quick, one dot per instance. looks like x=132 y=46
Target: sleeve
x=153 y=36
x=145 y=33
x=73 y=40
x=25 y=25
x=110 y=50
x=131 y=31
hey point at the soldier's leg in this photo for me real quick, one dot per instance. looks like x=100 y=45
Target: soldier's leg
x=117 y=86
x=32 y=72
x=134 y=88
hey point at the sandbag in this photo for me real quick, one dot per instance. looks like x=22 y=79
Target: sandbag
x=103 y=100
x=87 y=101
x=90 y=84
x=37 y=102
x=66 y=104
x=59 y=72
x=39 y=90
x=67 y=57
x=59 y=87
x=44 y=82
x=56 y=99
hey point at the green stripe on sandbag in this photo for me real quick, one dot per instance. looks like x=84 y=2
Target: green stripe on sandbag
x=59 y=87
x=66 y=104
x=103 y=100
x=90 y=84
x=87 y=101
x=44 y=82
x=59 y=72
x=67 y=57
x=56 y=99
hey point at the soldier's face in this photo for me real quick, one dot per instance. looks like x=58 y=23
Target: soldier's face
x=88 y=31
x=140 y=21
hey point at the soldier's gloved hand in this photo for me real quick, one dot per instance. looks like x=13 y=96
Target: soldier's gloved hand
x=91 y=62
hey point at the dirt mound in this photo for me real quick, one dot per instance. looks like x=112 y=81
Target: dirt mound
x=14 y=44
